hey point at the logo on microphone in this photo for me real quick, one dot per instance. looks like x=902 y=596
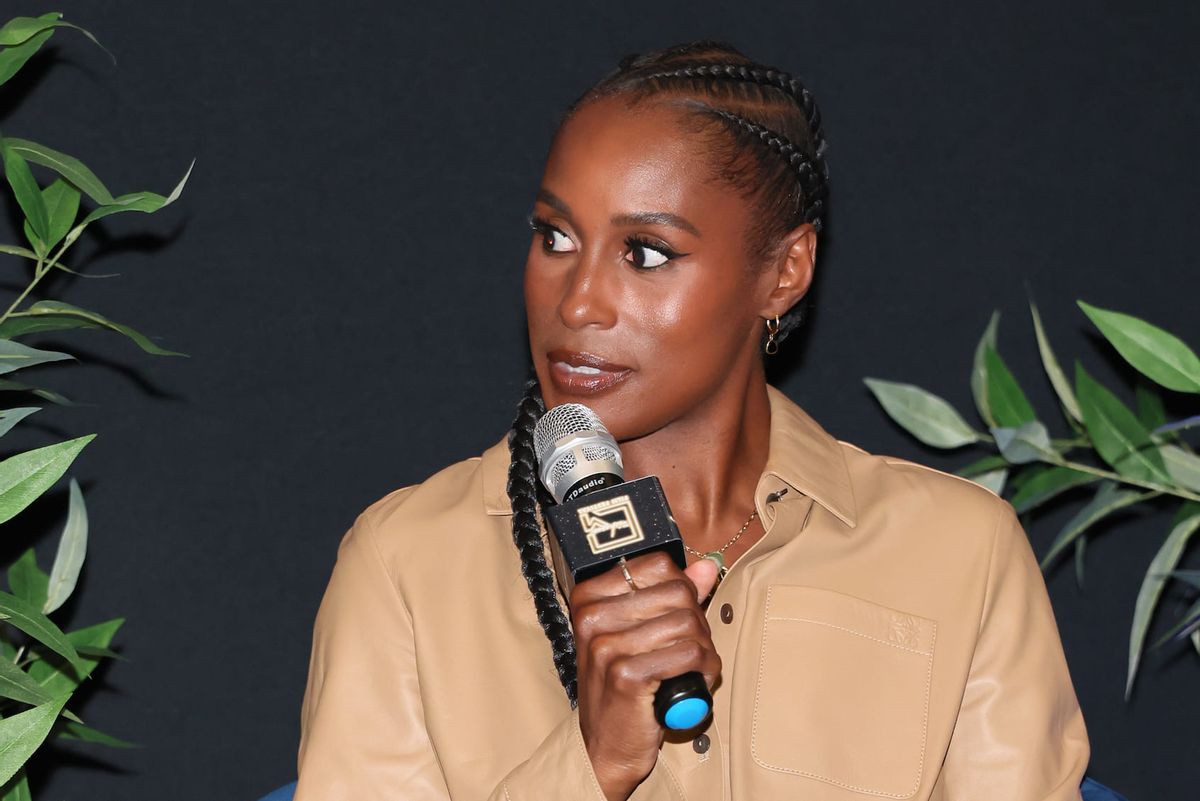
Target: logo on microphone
x=610 y=524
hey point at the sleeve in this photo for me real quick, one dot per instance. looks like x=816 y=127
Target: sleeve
x=362 y=730
x=561 y=769
x=1020 y=733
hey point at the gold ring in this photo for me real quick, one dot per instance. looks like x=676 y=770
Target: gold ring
x=628 y=578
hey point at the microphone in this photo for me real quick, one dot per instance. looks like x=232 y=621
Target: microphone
x=600 y=517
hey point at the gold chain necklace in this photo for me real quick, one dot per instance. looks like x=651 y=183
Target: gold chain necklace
x=719 y=555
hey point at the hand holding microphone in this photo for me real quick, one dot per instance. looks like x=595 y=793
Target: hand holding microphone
x=645 y=654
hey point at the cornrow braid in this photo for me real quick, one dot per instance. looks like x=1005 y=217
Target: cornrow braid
x=526 y=496
x=812 y=184
x=764 y=76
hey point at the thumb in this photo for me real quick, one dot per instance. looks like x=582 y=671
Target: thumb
x=703 y=573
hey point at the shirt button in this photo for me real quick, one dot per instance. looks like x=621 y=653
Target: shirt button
x=700 y=744
x=726 y=613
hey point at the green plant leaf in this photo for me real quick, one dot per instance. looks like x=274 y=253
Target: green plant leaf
x=70 y=168
x=61 y=677
x=24 y=253
x=15 y=356
x=28 y=581
x=979 y=371
x=50 y=395
x=62 y=205
x=993 y=480
x=1116 y=433
x=56 y=315
x=72 y=548
x=21 y=734
x=1189 y=619
x=1109 y=498
x=984 y=465
x=10 y=417
x=13 y=58
x=26 y=190
x=27 y=475
x=147 y=202
x=1158 y=355
x=1062 y=387
x=77 y=731
x=17 y=788
x=1045 y=483
x=1029 y=442
x=1150 y=410
x=1006 y=400
x=19 y=685
x=20 y=29
x=19 y=325
x=97 y=651
x=1183 y=467
x=1177 y=425
x=29 y=619
x=1185 y=524
x=922 y=414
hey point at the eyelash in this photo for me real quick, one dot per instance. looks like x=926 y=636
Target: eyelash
x=633 y=240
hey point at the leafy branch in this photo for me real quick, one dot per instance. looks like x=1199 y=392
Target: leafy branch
x=1145 y=454
x=41 y=666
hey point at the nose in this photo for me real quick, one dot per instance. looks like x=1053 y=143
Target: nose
x=588 y=297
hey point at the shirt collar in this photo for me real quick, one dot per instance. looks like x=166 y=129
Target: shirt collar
x=802 y=456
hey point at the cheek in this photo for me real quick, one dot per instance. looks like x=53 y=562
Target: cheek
x=540 y=293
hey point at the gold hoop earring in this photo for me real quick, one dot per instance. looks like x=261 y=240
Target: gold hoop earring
x=772 y=347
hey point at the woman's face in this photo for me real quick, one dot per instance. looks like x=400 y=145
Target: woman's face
x=640 y=301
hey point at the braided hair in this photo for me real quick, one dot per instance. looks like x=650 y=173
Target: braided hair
x=762 y=132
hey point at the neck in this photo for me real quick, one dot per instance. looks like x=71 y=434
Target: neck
x=709 y=462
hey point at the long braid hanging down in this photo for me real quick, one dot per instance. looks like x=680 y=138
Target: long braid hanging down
x=708 y=62
x=525 y=493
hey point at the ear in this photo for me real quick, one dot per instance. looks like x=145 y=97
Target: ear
x=790 y=273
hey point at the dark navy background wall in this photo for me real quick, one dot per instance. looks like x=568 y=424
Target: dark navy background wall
x=344 y=269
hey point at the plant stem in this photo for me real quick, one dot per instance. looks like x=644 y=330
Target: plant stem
x=39 y=272
x=1150 y=485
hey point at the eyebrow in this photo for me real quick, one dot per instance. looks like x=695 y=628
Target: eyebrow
x=632 y=218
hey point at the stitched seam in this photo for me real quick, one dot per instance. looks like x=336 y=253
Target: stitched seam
x=855 y=633
x=505 y=786
x=758 y=692
x=896 y=461
x=762 y=660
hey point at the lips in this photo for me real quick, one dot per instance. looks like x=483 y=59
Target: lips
x=578 y=373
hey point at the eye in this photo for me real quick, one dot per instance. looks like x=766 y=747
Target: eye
x=549 y=232
x=654 y=255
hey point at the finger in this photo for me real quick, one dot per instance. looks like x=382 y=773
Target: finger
x=703 y=573
x=647 y=636
x=646 y=570
x=640 y=674
x=619 y=612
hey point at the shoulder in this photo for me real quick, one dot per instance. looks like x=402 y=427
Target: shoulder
x=414 y=518
x=899 y=488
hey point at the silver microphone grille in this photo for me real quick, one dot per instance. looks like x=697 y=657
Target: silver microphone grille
x=571 y=443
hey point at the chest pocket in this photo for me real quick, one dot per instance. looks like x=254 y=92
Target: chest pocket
x=843 y=691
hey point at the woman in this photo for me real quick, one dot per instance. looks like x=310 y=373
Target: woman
x=883 y=629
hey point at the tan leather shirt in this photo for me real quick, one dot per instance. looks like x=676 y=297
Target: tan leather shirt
x=889 y=637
